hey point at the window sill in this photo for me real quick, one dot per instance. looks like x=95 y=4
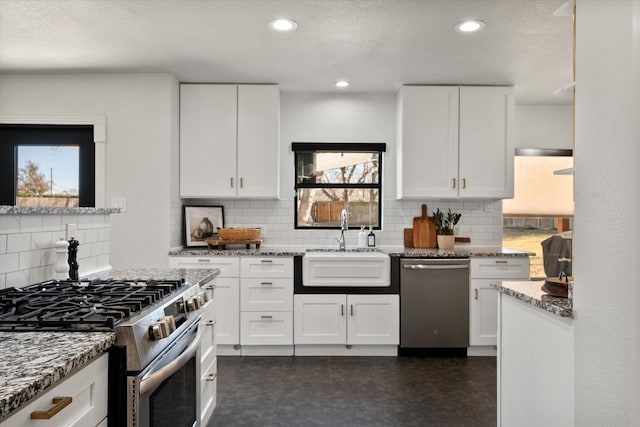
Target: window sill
x=18 y=210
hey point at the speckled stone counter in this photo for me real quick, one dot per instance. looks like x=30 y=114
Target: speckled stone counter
x=460 y=252
x=32 y=362
x=25 y=210
x=530 y=292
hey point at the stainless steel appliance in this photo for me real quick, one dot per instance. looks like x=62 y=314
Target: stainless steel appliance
x=434 y=306
x=154 y=365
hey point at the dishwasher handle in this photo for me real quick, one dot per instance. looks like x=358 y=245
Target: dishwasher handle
x=435 y=266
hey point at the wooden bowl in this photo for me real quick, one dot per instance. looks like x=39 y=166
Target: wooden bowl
x=237 y=234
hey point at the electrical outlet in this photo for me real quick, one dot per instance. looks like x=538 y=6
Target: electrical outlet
x=119 y=202
x=72 y=230
x=488 y=206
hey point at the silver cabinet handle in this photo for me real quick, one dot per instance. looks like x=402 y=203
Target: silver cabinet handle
x=502 y=262
x=351 y=308
x=266 y=261
x=204 y=260
x=464 y=183
x=341 y=309
x=241 y=182
x=231 y=182
x=266 y=283
x=210 y=286
x=266 y=317
x=211 y=377
x=476 y=292
x=454 y=183
x=210 y=323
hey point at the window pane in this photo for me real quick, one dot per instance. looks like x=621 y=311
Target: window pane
x=321 y=207
x=48 y=175
x=337 y=168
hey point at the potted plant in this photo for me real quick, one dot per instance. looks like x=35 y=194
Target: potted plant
x=445 y=225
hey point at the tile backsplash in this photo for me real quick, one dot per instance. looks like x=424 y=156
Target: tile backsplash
x=27 y=251
x=481 y=221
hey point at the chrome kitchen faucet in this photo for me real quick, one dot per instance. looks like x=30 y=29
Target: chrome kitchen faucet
x=344 y=226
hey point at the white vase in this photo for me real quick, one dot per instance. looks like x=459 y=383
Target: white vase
x=446 y=241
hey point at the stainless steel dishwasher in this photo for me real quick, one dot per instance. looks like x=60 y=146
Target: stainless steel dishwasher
x=434 y=306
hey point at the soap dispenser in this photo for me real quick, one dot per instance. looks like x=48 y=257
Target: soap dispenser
x=371 y=238
x=362 y=237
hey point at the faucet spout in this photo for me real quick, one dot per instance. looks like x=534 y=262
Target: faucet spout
x=344 y=226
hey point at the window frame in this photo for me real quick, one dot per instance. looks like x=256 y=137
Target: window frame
x=14 y=135
x=336 y=147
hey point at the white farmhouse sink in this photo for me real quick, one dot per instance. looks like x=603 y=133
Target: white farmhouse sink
x=345 y=269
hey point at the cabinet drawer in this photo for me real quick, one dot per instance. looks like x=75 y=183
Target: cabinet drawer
x=266 y=294
x=500 y=268
x=208 y=390
x=87 y=389
x=266 y=328
x=266 y=267
x=229 y=266
x=208 y=340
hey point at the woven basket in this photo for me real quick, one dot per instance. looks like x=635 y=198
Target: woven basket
x=239 y=233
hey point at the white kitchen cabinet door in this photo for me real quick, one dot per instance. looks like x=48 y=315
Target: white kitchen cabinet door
x=483 y=307
x=486 y=142
x=258 y=141
x=320 y=319
x=227 y=295
x=373 y=319
x=208 y=340
x=208 y=123
x=483 y=301
x=87 y=390
x=427 y=143
x=272 y=267
x=266 y=328
x=266 y=294
x=208 y=391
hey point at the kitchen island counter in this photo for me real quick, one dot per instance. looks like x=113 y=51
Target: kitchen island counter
x=530 y=293
x=33 y=362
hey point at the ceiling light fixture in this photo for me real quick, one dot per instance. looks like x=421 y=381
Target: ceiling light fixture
x=470 y=26
x=342 y=83
x=283 y=24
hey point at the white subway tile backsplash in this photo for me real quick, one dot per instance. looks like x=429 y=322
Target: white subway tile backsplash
x=30 y=223
x=18 y=279
x=3 y=280
x=9 y=262
x=9 y=224
x=18 y=242
x=51 y=222
x=3 y=243
x=41 y=240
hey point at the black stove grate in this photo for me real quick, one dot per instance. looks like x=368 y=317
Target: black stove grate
x=87 y=305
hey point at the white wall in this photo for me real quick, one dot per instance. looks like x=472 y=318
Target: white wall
x=606 y=301
x=141 y=117
x=544 y=126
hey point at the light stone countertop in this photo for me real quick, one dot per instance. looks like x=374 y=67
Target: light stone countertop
x=32 y=362
x=26 y=210
x=531 y=293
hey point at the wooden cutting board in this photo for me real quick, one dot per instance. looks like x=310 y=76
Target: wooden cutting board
x=424 y=231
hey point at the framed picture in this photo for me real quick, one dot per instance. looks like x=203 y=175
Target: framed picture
x=201 y=223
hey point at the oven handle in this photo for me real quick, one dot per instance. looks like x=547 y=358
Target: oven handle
x=148 y=385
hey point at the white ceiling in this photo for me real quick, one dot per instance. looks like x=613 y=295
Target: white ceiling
x=378 y=45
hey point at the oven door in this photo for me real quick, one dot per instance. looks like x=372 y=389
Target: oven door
x=165 y=392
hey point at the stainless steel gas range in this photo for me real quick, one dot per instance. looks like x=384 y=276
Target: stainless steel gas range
x=154 y=366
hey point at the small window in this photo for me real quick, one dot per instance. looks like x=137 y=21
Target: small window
x=47 y=165
x=330 y=177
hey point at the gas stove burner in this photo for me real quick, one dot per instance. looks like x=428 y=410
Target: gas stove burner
x=84 y=305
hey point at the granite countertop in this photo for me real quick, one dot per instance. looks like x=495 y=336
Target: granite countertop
x=26 y=210
x=459 y=252
x=530 y=293
x=32 y=362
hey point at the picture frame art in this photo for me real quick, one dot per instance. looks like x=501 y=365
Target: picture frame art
x=201 y=223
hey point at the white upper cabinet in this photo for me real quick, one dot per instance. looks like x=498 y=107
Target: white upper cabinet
x=229 y=140
x=455 y=142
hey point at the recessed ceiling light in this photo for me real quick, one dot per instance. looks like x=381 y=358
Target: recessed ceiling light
x=342 y=83
x=283 y=24
x=470 y=26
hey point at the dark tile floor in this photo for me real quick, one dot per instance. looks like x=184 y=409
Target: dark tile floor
x=356 y=391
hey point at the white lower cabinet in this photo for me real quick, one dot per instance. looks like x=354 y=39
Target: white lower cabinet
x=208 y=358
x=267 y=328
x=483 y=301
x=208 y=391
x=347 y=319
x=86 y=394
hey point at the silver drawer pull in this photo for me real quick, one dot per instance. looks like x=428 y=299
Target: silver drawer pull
x=204 y=260
x=210 y=322
x=266 y=283
x=211 y=377
x=266 y=261
x=476 y=291
x=502 y=262
x=210 y=286
x=266 y=317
